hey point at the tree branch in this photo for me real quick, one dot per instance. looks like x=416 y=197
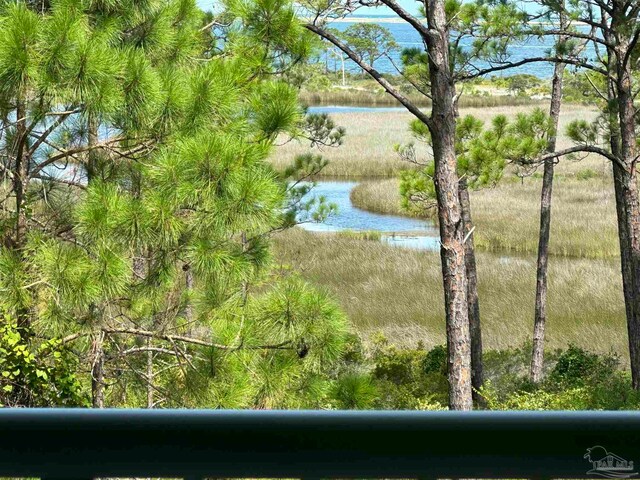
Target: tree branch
x=72 y=151
x=508 y=65
x=191 y=340
x=420 y=27
x=44 y=135
x=584 y=149
x=383 y=82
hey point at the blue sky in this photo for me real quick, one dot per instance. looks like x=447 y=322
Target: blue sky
x=409 y=5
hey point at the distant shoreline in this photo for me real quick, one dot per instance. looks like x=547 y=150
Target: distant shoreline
x=396 y=19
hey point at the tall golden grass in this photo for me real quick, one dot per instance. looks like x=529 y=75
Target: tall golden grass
x=368 y=149
x=399 y=292
x=507 y=216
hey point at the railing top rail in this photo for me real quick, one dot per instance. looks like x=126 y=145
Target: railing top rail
x=73 y=443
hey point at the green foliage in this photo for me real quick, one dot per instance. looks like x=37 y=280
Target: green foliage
x=266 y=30
x=435 y=361
x=578 y=86
x=576 y=379
x=481 y=159
x=403 y=379
x=369 y=41
x=576 y=367
x=583 y=132
x=415 y=63
x=521 y=83
x=321 y=130
x=572 y=399
x=36 y=373
x=355 y=392
x=151 y=248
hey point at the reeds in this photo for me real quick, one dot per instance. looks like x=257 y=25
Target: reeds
x=507 y=216
x=399 y=292
x=368 y=149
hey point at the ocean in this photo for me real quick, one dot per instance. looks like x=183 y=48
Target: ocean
x=407 y=37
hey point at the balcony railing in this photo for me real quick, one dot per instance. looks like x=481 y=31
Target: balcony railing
x=320 y=444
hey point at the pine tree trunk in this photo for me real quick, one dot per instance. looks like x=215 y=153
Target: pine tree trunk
x=621 y=214
x=624 y=236
x=537 y=357
x=624 y=186
x=20 y=173
x=623 y=145
x=188 y=283
x=443 y=129
x=475 y=330
x=627 y=191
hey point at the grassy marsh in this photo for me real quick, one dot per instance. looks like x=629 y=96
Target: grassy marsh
x=399 y=292
x=361 y=97
x=507 y=216
x=368 y=146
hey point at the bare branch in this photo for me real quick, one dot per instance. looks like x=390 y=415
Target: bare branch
x=583 y=149
x=509 y=65
x=419 y=114
x=193 y=341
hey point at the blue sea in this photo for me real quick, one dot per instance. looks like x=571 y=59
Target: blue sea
x=407 y=37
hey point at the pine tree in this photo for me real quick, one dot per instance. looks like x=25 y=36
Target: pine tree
x=137 y=203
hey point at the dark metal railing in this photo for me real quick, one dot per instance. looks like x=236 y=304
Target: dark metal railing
x=317 y=444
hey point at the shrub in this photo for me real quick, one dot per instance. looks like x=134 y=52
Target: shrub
x=576 y=367
x=399 y=366
x=416 y=379
x=403 y=379
x=572 y=399
x=436 y=360
x=36 y=373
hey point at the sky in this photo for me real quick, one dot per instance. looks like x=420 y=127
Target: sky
x=409 y=5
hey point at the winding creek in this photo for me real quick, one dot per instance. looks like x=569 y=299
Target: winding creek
x=395 y=230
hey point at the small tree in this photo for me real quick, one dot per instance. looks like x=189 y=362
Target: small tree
x=613 y=34
x=369 y=41
x=478 y=165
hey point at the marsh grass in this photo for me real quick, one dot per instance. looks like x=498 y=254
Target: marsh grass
x=368 y=149
x=367 y=98
x=379 y=196
x=583 y=218
x=399 y=292
x=371 y=235
x=507 y=216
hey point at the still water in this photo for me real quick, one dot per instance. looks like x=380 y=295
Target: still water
x=406 y=37
x=396 y=230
